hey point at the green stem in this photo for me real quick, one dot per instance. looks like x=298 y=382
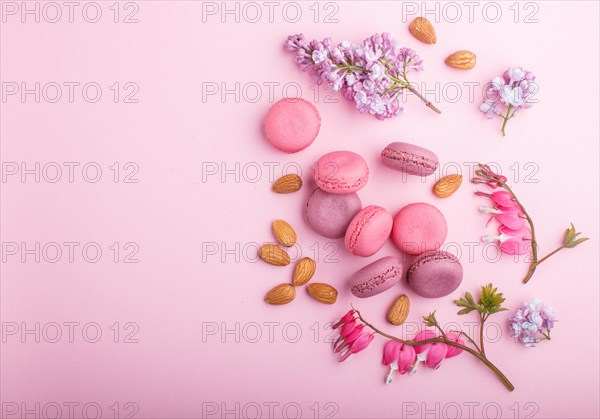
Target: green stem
x=482 y=320
x=506 y=118
x=550 y=254
x=476 y=354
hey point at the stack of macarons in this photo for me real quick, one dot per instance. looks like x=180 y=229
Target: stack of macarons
x=334 y=210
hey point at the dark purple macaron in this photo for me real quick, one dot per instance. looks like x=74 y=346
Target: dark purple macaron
x=329 y=214
x=410 y=158
x=435 y=274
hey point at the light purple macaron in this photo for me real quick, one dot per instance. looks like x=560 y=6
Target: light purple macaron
x=376 y=277
x=410 y=159
x=435 y=274
x=329 y=214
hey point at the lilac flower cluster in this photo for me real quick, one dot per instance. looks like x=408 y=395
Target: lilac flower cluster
x=532 y=322
x=372 y=74
x=514 y=90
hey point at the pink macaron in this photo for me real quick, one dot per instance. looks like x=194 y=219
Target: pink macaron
x=292 y=124
x=341 y=172
x=419 y=228
x=435 y=274
x=376 y=277
x=329 y=214
x=410 y=158
x=368 y=231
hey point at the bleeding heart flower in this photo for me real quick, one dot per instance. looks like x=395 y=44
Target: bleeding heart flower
x=358 y=345
x=512 y=242
x=431 y=354
x=453 y=350
x=510 y=217
x=502 y=198
x=399 y=357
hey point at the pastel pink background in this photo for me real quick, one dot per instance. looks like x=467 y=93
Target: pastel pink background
x=173 y=214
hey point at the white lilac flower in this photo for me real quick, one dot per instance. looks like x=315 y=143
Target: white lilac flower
x=531 y=323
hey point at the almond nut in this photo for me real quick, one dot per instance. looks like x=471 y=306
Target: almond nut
x=287 y=184
x=281 y=294
x=284 y=233
x=398 y=311
x=274 y=255
x=323 y=293
x=303 y=271
x=463 y=60
x=422 y=29
x=447 y=185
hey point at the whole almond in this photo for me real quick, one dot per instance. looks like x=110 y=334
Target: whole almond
x=284 y=233
x=303 y=271
x=281 y=294
x=274 y=255
x=422 y=29
x=287 y=184
x=463 y=60
x=398 y=311
x=447 y=185
x=323 y=293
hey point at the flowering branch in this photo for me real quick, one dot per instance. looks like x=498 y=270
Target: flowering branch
x=510 y=212
x=489 y=303
x=514 y=90
x=373 y=74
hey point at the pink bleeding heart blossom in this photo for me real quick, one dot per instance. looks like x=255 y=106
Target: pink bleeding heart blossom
x=512 y=242
x=431 y=354
x=485 y=175
x=352 y=337
x=507 y=217
x=453 y=350
x=500 y=198
x=399 y=357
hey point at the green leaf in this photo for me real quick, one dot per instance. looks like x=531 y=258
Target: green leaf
x=576 y=242
x=465 y=311
x=470 y=298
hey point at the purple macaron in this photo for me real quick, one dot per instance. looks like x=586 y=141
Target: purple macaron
x=435 y=274
x=376 y=277
x=329 y=214
x=410 y=158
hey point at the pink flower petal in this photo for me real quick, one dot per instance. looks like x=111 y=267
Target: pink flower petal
x=515 y=247
x=521 y=233
x=423 y=335
x=348 y=328
x=345 y=319
x=452 y=350
x=510 y=220
x=436 y=354
x=391 y=350
x=362 y=342
x=406 y=358
x=503 y=198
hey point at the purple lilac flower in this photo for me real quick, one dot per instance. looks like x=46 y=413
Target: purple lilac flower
x=372 y=74
x=532 y=322
x=506 y=95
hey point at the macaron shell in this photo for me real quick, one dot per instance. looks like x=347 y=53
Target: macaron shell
x=368 y=231
x=410 y=158
x=376 y=277
x=419 y=228
x=330 y=214
x=435 y=274
x=292 y=124
x=341 y=172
